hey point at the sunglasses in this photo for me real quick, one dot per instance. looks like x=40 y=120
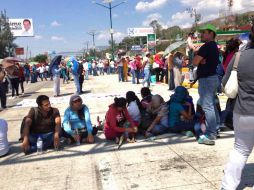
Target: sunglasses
x=78 y=100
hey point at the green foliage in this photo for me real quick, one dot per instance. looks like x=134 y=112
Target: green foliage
x=7 y=45
x=41 y=58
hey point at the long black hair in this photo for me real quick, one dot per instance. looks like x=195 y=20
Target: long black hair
x=131 y=96
x=231 y=46
x=120 y=102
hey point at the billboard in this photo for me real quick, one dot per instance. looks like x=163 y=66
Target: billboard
x=134 y=32
x=21 y=27
x=19 y=51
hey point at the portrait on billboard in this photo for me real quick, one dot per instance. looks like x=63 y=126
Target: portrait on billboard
x=21 y=27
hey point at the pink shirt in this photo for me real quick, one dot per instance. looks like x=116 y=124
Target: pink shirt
x=228 y=59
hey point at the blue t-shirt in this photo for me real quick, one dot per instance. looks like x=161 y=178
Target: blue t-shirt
x=210 y=52
x=175 y=110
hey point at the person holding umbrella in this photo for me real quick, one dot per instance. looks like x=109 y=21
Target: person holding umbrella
x=3 y=87
x=55 y=68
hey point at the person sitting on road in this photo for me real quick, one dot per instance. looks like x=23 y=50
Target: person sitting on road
x=4 y=145
x=146 y=97
x=159 y=112
x=118 y=121
x=181 y=112
x=77 y=126
x=134 y=107
x=42 y=121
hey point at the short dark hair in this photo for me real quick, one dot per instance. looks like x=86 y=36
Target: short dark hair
x=26 y=20
x=145 y=91
x=40 y=99
x=120 y=102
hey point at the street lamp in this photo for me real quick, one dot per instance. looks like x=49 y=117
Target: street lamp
x=110 y=7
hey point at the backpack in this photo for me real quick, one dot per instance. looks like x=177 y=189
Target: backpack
x=23 y=123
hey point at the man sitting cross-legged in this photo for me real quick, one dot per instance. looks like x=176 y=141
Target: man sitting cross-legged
x=42 y=121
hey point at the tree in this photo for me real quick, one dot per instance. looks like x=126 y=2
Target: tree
x=7 y=44
x=156 y=28
x=41 y=58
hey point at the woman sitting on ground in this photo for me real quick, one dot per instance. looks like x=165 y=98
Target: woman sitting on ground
x=118 y=121
x=76 y=123
x=146 y=97
x=159 y=112
x=134 y=107
x=181 y=120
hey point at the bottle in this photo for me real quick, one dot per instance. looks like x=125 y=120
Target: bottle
x=77 y=133
x=39 y=145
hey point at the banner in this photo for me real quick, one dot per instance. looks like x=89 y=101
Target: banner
x=134 y=32
x=21 y=27
x=19 y=51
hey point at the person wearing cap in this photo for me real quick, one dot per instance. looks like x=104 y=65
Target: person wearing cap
x=207 y=59
x=146 y=67
x=77 y=118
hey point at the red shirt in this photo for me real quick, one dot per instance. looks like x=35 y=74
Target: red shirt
x=113 y=117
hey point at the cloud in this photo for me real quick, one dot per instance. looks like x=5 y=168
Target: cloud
x=105 y=35
x=55 y=24
x=143 y=6
x=115 y=15
x=181 y=19
x=150 y=18
x=57 y=38
x=38 y=37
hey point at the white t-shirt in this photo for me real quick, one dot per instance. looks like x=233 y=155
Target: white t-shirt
x=134 y=111
x=85 y=66
x=112 y=64
x=41 y=69
x=4 y=145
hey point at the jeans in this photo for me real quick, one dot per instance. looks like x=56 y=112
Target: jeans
x=65 y=78
x=133 y=76
x=120 y=73
x=244 y=142
x=147 y=77
x=207 y=91
x=86 y=74
x=76 y=81
x=182 y=126
x=41 y=76
x=161 y=127
x=137 y=73
x=15 y=86
x=27 y=78
x=47 y=138
x=21 y=82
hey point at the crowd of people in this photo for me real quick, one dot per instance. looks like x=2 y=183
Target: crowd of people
x=128 y=116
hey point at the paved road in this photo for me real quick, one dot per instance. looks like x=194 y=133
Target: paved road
x=170 y=162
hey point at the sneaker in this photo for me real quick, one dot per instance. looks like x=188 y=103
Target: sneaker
x=204 y=140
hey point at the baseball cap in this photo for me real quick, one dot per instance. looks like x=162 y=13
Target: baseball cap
x=208 y=27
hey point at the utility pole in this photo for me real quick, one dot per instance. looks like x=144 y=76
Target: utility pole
x=92 y=33
x=195 y=15
x=110 y=7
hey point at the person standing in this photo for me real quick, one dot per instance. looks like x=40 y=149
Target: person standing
x=207 y=60
x=41 y=70
x=86 y=69
x=243 y=118
x=146 y=67
x=27 y=72
x=120 y=69
x=177 y=68
x=138 y=63
x=21 y=78
x=81 y=76
x=56 y=78
x=14 y=78
x=3 y=88
x=64 y=73
x=125 y=69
